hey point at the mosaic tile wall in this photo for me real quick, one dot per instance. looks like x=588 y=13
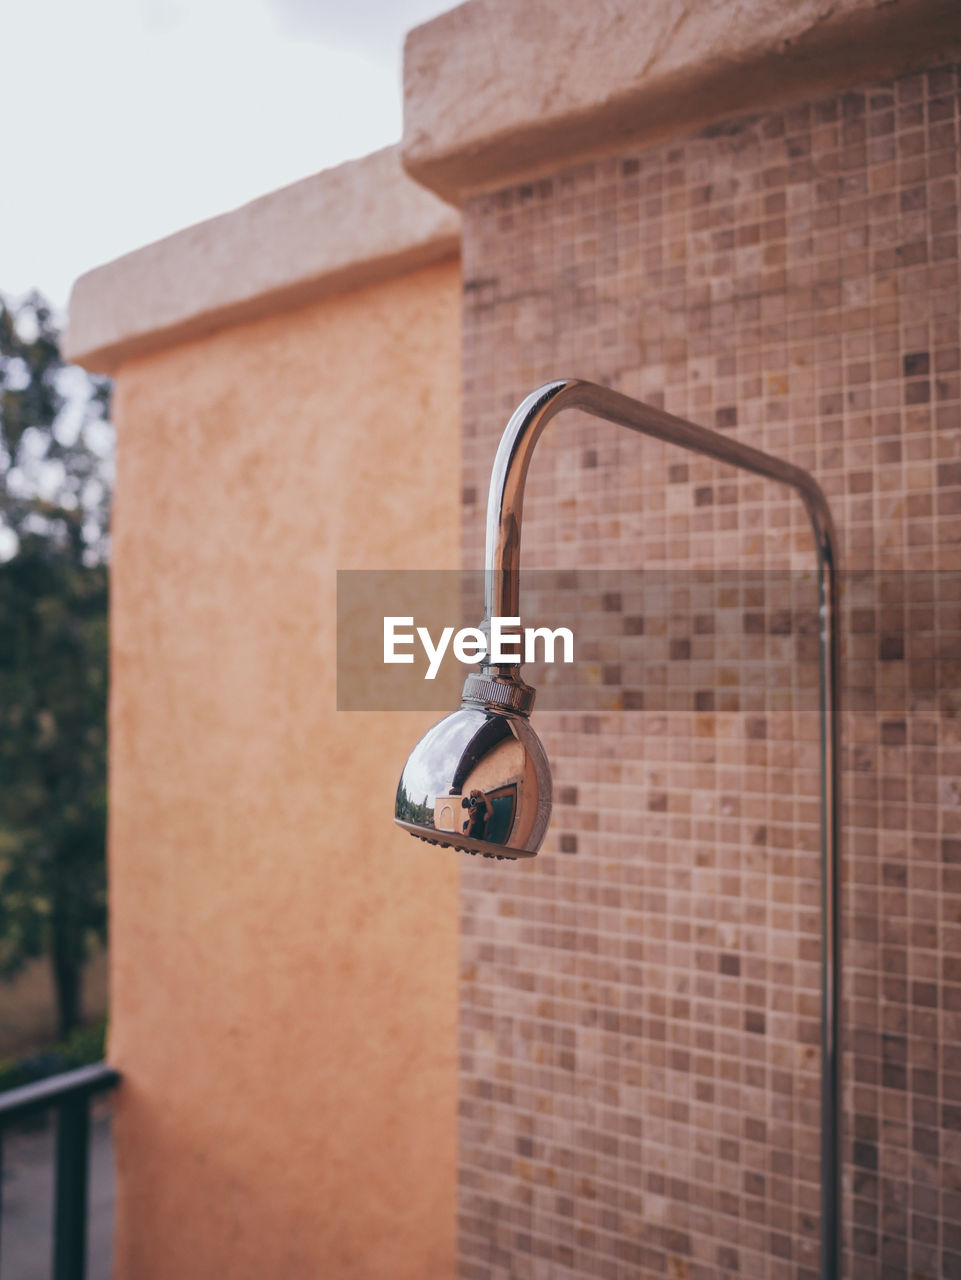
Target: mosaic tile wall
x=639 y=1018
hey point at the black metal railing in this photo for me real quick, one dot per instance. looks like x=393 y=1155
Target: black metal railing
x=69 y=1095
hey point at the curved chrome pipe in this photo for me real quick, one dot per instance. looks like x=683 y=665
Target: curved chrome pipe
x=509 y=473
x=504 y=514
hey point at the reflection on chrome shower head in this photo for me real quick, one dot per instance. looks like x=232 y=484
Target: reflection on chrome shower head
x=479 y=779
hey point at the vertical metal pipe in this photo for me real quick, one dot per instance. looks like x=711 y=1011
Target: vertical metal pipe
x=502 y=598
x=831 y=970
x=70 y=1206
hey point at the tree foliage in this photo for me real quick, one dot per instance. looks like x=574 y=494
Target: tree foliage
x=55 y=478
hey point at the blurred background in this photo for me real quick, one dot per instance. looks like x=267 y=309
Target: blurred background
x=126 y=122
x=132 y=120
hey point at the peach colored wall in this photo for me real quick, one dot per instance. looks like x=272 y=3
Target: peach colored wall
x=284 y=961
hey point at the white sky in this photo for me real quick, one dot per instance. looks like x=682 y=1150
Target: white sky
x=126 y=120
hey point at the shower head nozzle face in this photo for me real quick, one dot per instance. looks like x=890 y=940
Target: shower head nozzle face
x=478 y=781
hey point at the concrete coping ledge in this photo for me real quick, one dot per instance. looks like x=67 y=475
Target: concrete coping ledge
x=338 y=230
x=496 y=91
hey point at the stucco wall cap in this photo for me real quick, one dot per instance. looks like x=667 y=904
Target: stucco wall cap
x=497 y=90
x=342 y=228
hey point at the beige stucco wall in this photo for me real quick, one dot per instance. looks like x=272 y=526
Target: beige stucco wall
x=497 y=91
x=331 y=232
x=284 y=970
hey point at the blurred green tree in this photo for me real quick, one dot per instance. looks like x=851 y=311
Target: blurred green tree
x=55 y=483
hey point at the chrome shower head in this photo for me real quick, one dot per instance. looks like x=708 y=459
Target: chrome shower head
x=479 y=780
